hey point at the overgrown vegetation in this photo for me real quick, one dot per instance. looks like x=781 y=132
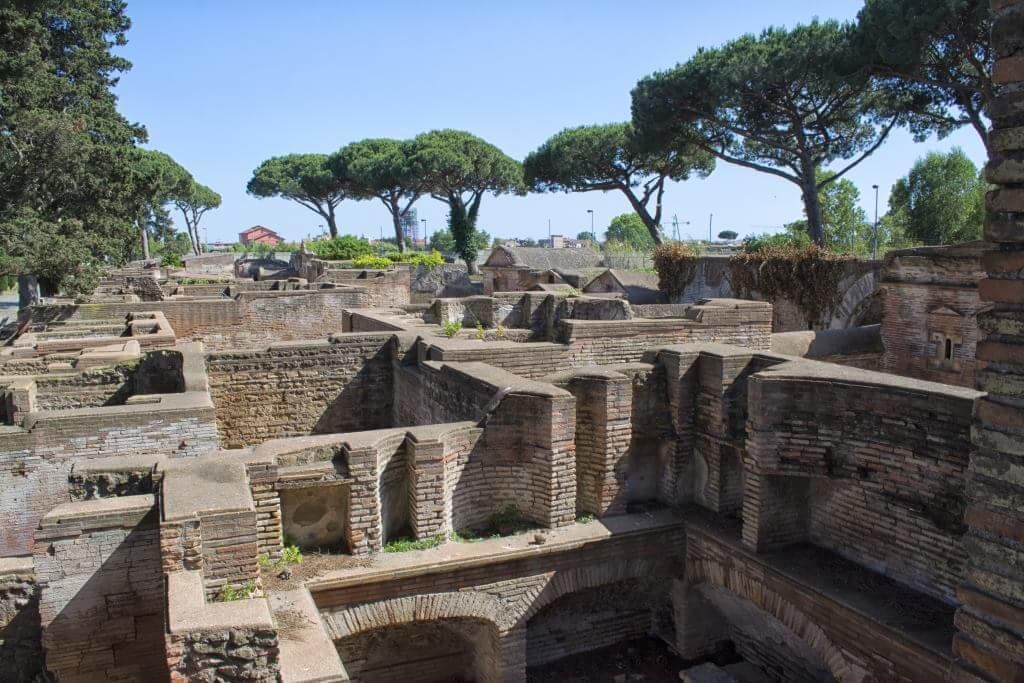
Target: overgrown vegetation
x=676 y=265
x=405 y=544
x=291 y=554
x=808 y=276
x=343 y=248
x=372 y=262
x=431 y=259
x=452 y=328
x=231 y=593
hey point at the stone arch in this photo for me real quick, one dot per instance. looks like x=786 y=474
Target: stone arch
x=350 y=621
x=565 y=582
x=859 y=291
x=707 y=572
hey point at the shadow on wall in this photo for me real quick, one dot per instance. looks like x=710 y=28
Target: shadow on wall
x=456 y=650
x=102 y=605
x=362 y=404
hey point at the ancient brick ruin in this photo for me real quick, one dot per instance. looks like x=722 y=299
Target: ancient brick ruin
x=484 y=487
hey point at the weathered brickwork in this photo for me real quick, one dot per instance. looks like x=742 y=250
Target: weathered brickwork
x=101 y=590
x=990 y=641
x=21 y=656
x=930 y=327
x=887 y=491
x=35 y=462
x=344 y=384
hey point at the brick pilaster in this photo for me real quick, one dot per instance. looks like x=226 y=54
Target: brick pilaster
x=990 y=619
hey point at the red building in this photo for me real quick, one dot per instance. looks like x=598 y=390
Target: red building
x=259 y=234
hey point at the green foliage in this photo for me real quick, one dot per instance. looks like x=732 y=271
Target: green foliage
x=786 y=102
x=941 y=200
x=628 y=229
x=480 y=333
x=728 y=235
x=69 y=201
x=676 y=264
x=452 y=328
x=342 y=248
x=607 y=157
x=781 y=240
x=231 y=593
x=401 y=545
x=459 y=168
x=444 y=241
x=381 y=168
x=807 y=276
x=845 y=224
x=194 y=201
x=305 y=179
x=586 y=518
x=371 y=262
x=938 y=51
x=431 y=259
x=586 y=235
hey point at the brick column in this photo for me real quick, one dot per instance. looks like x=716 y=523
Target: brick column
x=425 y=462
x=990 y=619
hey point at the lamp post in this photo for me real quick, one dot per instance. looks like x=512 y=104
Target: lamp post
x=874 y=247
x=424 y=233
x=591 y=212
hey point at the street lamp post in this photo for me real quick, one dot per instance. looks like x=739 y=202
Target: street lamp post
x=874 y=247
x=591 y=212
x=424 y=233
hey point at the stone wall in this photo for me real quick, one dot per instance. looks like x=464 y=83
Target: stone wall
x=343 y=384
x=930 y=327
x=101 y=590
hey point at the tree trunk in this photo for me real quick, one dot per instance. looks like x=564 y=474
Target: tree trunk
x=28 y=290
x=145 y=243
x=645 y=216
x=332 y=223
x=396 y=218
x=812 y=207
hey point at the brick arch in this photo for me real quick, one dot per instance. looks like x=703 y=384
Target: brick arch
x=707 y=572
x=350 y=621
x=858 y=291
x=573 y=580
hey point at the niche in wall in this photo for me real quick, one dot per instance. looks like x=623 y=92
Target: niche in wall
x=316 y=516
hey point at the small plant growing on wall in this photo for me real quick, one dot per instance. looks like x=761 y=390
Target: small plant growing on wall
x=232 y=593
x=809 y=276
x=676 y=264
x=452 y=328
x=480 y=333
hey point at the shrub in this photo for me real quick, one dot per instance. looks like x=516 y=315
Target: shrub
x=676 y=264
x=230 y=593
x=341 y=248
x=431 y=259
x=779 y=240
x=401 y=545
x=808 y=276
x=371 y=262
x=452 y=328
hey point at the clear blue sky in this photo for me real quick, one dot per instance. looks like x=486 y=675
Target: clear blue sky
x=223 y=85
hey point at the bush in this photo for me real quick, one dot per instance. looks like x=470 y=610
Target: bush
x=808 y=276
x=341 y=248
x=452 y=328
x=782 y=240
x=676 y=264
x=432 y=259
x=371 y=262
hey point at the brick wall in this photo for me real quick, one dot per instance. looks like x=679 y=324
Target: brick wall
x=101 y=590
x=344 y=384
x=21 y=655
x=92 y=388
x=931 y=296
x=35 y=462
x=887 y=457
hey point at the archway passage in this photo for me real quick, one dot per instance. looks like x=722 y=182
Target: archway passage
x=597 y=617
x=459 y=650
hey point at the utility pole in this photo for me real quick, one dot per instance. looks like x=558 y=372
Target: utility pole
x=874 y=248
x=591 y=212
x=711 y=219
